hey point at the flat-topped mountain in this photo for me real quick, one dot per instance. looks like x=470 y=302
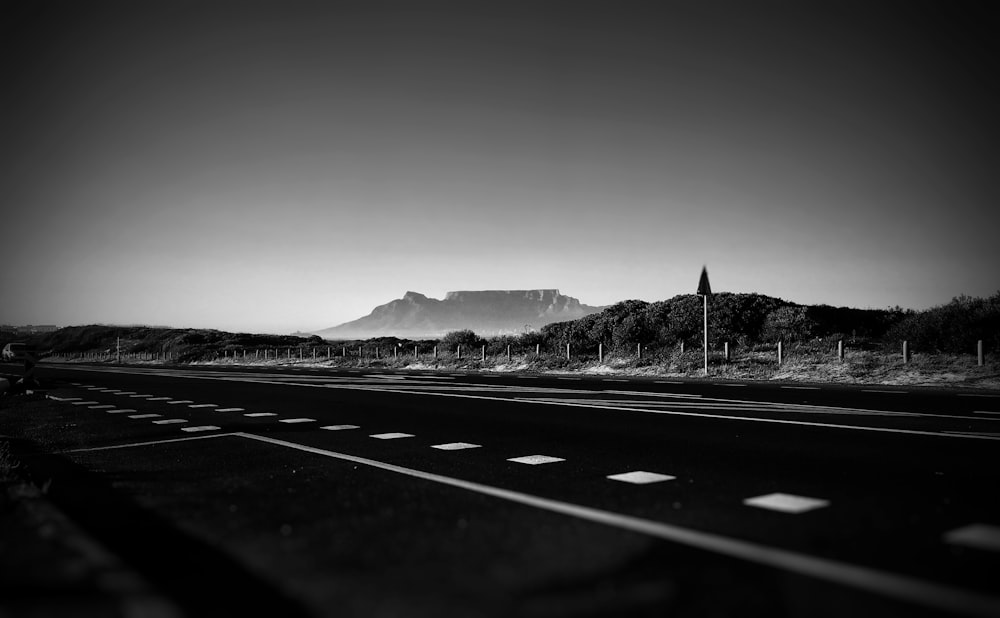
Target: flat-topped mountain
x=487 y=312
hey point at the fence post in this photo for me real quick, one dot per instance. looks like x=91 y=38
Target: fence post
x=567 y=351
x=395 y=352
x=906 y=351
x=508 y=353
x=979 y=352
x=726 y=350
x=779 y=353
x=638 y=350
x=459 y=351
x=538 y=349
x=840 y=349
x=600 y=352
x=415 y=356
x=484 y=353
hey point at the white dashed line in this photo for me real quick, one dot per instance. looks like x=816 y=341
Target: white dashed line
x=145 y=415
x=391 y=435
x=159 y=398
x=455 y=446
x=569 y=378
x=229 y=409
x=733 y=384
x=125 y=393
x=201 y=428
x=978 y=536
x=297 y=420
x=204 y=405
x=103 y=406
x=640 y=477
x=786 y=503
x=667 y=382
x=178 y=402
x=85 y=403
x=140 y=396
x=613 y=380
x=121 y=411
x=259 y=414
x=53 y=397
x=534 y=460
x=170 y=421
x=340 y=427
x=802 y=388
x=875 y=390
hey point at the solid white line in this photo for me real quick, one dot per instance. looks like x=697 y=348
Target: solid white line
x=149 y=443
x=985 y=412
x=899 y=586
x=976 y=395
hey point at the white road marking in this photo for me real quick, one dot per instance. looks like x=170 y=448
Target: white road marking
x=121 y=411
x=640 y=477
x=786 y=503
x=613 y=380
x=148 y=443
x=170 y=421
x=394 y=435
x=53 y=397
x=159 y=398
x=978 y=536
x=977 y=395
x=103 y=406
x=528 y=377
x=455 y=446
x=229 y=409
x=990 y=434
x=985 y=412
x=140 y=396
x=340 y=427
x=297 y=420
x=535 y=460
x=204 y=405
x=802 y=388
x=144 y=415
x=176 y=402
x=259 y=414
x=876 y=390
x=569 y=378
x=894 y=585
x=667 y=382
x=85 y=403
x=201 y=428
x=734 y=384
x=125 y=393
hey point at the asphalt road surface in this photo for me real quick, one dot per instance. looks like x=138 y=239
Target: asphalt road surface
x=380 y=493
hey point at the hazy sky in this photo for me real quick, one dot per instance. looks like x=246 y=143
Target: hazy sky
x=274 y=166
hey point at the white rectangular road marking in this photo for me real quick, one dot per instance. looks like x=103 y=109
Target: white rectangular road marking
x=786 y=503
x=200 y=428
x=144 y=415
x=204 y=405
x=103 y=406
x=894 y=585
x=297 y=420
x=394 y=435
x=54 y=398
x=534 y=460
x=159 y=398
x=85 y=403
x=259 y=414
x=455 y=446
x=640 y=477
x=176 y=402
x=170 y=421
x=340 y=427
x=125 y=393
x=978 y=536
x=140 y=396
x=121 y=411
x=229 y=409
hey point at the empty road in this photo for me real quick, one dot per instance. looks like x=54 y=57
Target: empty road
x=418 y=493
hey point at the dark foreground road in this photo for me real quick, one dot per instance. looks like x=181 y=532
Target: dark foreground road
x=428 y=494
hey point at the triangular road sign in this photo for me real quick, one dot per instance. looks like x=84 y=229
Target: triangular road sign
x=704 y=289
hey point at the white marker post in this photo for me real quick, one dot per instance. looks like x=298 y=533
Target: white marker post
x=705 y=290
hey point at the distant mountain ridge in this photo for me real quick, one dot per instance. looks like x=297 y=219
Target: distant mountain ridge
x=487 y=312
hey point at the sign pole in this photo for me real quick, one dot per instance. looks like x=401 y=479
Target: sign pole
x=705 y=290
